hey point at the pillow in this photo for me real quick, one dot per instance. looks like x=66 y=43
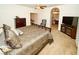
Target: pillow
x=17 y=31
x=1 y=30
x=13 y=41
x=1 y=53
x=11 y=38
x=2 y=37
x=6 y=28
x=5 y=49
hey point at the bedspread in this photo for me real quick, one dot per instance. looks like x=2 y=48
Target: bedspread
x=32 y=39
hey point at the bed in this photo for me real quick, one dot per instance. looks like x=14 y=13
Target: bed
x=33 y=40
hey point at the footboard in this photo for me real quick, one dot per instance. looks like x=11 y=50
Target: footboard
x=44 y=43
x=36 y=47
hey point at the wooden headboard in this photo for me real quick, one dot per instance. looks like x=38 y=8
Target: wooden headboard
x=20 y=22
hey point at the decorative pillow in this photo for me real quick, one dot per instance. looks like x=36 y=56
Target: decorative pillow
x=17 y=31
x=1 y=30
x=2 y=37
x=12 y=39
x=6 y=28
x=1 y=53
x=5 y=49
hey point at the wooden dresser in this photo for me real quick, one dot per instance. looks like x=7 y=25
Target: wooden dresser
x=20 y=22
x=69 y=30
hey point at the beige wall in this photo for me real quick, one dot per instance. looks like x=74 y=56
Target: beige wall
x=9 y=11
x=65 y=10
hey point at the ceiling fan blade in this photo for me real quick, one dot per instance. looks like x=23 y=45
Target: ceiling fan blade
x=42 y=7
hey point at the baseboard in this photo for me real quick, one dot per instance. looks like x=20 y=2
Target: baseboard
x=77 y=43
x=78 y=49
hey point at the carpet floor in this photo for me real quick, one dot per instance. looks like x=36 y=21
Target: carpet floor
x=62 y=45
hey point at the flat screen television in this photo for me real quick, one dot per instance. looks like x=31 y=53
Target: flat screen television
x=68 y=20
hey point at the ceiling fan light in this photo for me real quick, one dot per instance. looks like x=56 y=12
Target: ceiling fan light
x=40 y=7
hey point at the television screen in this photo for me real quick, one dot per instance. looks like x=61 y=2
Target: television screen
x=68 y=20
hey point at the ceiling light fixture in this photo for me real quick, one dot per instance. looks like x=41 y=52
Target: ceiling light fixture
x=40 y=6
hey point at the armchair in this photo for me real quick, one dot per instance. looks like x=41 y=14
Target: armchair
x=43 y=23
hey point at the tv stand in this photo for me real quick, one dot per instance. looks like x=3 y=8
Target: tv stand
x=69 y=30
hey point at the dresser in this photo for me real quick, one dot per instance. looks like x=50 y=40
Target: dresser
x=20 y=22
x=69 y=30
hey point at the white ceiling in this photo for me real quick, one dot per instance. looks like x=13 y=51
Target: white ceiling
x=34 y=5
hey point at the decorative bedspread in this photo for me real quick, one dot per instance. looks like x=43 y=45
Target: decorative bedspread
x=33 y=37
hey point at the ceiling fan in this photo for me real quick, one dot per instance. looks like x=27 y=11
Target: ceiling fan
x=40 y=6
